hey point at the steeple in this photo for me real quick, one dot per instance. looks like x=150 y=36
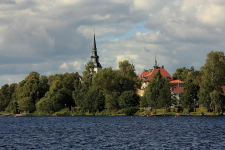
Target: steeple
x=95 y=57
x=94 y=44
x=155 y=66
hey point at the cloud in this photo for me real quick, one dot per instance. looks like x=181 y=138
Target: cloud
x=71 y=66
x=56 y=36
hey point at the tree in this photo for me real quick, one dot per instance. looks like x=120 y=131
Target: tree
x=112 y=83
x=83 y=84
x=6 y=95
x=128 y=99
x=164 y=99
x=43 y=86
x=193 y=77
x=181 y=73
x=143 y=102
x=60 y=93
x=29 y=87
x=51 y=103
x=127 y=69
x=157 y=92
x=217 y=101
x=189 y=97
x=26 y=104
x=93 y=101
x=212 y=78
x=111 y=101
x=12 y=107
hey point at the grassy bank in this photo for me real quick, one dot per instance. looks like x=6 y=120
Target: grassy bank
x=125 y=112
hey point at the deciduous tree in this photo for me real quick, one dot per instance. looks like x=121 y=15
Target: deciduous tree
x=212 y=77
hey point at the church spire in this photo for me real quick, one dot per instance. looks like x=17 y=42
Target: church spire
x=95 y=57
x=94 y=43
x=156 y=65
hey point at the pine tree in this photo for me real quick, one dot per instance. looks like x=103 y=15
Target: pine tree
x=158 y=92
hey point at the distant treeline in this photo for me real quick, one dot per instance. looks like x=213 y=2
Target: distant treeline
x=116 y=89
x=204 y=88
x=91 y=92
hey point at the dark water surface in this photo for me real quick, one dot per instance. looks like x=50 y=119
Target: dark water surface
x=190 y=132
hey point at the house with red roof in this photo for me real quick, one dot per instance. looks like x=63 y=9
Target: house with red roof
x=147 y=75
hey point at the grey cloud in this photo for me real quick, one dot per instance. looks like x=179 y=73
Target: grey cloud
x=56 y=36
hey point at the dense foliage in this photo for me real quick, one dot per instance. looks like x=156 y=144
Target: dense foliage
x=92 y=92
x=157 y=94
x=116 y=89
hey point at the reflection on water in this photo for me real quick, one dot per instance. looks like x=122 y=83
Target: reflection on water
x=116 y=132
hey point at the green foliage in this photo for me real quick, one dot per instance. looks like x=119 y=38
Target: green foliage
x=143 y=102
x=26 y=104
x=181 y=73
x=106 y=112
x=189 y=97
x=83 y=84
x=130 y=111
x=12 y=107
x=113 y=84
x=6 y=95
x=111 y=101
x=50 y=105
x=93 y=101
x=157 y=92
x=217 y=101
x=212 y=78
x=128 y=99
x=127 y=69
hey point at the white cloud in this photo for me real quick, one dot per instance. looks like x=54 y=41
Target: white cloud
x=70 y=66
x=56 y=36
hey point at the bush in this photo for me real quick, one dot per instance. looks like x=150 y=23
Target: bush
x=106 y=112
x=128 y=99
x=178 y=110
x=130 y=111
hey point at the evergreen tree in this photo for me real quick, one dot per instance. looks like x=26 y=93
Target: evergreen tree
x=158 y=92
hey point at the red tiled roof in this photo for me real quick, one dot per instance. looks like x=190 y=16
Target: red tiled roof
x=176 y=81
x=143 y=74
x=163 y=72
x=178 y=89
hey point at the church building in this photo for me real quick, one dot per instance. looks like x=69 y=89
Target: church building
x=95 y=57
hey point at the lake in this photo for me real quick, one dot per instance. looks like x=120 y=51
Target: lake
x=113 y=132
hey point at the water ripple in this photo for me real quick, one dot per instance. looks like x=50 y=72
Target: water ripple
x=115 y=132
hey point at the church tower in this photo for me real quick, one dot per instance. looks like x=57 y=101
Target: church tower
x=95 y=57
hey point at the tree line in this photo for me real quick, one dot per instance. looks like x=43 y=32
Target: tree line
x=116 y=89
x=202 y=88
x=91 y=92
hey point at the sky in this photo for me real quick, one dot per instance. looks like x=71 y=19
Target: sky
x=55 y=36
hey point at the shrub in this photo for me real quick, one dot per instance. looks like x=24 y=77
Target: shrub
x=130 y=111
